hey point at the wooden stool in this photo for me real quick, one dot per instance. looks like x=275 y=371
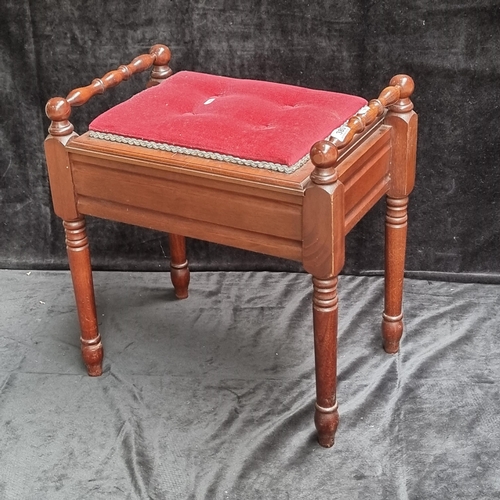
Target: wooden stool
x=297 y=207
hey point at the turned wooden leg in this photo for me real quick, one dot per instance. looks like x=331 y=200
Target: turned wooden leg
x=395 y=249
x=325 y=318
x=81 y=274
x=179 y=271
x=403 y=122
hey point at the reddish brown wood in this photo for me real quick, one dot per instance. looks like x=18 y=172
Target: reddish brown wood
x=323 y=219
x=368 y=114
x=325 y=319
x=323 y=257
x=161 y=70
x=403 y=122
x=81 y=273
x=193 y=209
x=395 y=246
x=179 y=271
x=81 y=95
x=59 y=110
x=303 y=216
x=61 y=176
x=364 y=175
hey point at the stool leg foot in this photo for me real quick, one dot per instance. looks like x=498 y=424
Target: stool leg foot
x=179 y=271
x=81 y=274
x=395 y=249
x=325 y=319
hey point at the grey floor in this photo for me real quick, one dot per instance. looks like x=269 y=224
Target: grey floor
x=212 y=397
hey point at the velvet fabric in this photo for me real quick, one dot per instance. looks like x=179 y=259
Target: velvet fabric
x=213 y=397
x=246 y=119
x=450 y=48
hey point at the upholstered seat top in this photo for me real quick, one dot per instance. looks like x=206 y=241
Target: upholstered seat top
x=255 y=123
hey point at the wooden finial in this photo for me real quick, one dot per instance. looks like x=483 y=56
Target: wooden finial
x=406 y=87
x=58 y=110
x=161 y=70
x=405 y=83
x=162 y=53
x=324 y=155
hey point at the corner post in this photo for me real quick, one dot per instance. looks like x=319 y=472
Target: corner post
x=403 y=122
x=58 y=110
x=323 y=257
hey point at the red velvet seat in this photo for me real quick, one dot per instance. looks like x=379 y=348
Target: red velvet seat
x=255 y=123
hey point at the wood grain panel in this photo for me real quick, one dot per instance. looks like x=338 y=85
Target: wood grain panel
x=371 y=173
x=191 y=201
x=360 y=209
x=247 y=240
x=365 y=175
x=179 y=174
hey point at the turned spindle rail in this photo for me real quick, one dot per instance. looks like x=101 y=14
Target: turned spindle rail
x=396 y=96
x=303 y=216
x=58 y=109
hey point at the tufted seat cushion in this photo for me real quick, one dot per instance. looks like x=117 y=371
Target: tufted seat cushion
x=256 y=123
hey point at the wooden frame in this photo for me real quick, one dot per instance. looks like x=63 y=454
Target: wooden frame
x=303 y=216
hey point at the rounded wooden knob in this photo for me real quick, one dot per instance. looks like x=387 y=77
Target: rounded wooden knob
x=405 y=84
x=324 y=154
x=58 y=109
x=162 y=53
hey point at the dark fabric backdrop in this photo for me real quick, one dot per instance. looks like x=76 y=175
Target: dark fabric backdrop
x=450 y=48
